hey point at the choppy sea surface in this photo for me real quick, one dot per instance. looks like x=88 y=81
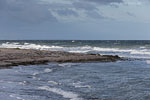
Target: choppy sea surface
x=121 y=80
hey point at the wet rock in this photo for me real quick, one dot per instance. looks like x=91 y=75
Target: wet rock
x=15 y=57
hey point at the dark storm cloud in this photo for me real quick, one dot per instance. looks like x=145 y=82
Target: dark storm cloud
x=105 y=1
x=35 y=11
x=28 y=11
x=90 y=9
x=74 y=8
x=85 y=6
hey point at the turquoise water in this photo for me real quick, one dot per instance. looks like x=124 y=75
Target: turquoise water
x=121 y=80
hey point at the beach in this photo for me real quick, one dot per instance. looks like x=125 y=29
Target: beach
x=15 y=56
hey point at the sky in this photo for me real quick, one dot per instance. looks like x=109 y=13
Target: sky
x=74 y=19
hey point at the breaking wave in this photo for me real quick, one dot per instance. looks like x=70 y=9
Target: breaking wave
x=141 y=52
x=65 y=94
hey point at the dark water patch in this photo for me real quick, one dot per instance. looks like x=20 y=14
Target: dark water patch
x=123 y=80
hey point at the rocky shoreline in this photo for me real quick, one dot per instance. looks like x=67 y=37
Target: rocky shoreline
x=14 y=57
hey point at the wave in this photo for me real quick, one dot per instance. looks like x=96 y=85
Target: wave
x=80 y=85
x=54 y=83
x=141 y=51
x=27 y=46
x=65 y=94
x=66 y=64
x=47 y=70
x=16 y=97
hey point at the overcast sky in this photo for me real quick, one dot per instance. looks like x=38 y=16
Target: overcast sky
x=75 y=19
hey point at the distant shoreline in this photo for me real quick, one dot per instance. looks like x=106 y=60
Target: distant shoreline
x=14 y=57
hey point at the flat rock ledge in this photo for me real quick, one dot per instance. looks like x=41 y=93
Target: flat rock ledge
x=14 y=57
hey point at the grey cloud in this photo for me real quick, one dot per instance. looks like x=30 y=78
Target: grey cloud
x=72 y=9
x=26 y=11
x=90 y=9
x=95 y=15
x=105 y=1
x=34 y=11
x=66 y=12
x=131 y=14
x=85 y=6
x=62 y=9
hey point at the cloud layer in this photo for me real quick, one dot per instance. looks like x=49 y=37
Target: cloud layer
x=38 y=11
x=28 y=11
x=74 y=19
x=105 y=1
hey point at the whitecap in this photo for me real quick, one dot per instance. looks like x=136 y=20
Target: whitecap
x=34 y=77
x=19 y=98
x=11 y=95
x=53 y=82
x=66 y=64
x=82 y=86
x=141 y=52
x=26 y=43
x=39 y=79
x=47 y=70
x=142 y=47
x=79 y=85
x=36 y=73
x=16 y=97
x=29 y=46
x=148 y=62
x=79 y=49
x=23 y=83
x=65 y=94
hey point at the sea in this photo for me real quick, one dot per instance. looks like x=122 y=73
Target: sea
x=120 y=80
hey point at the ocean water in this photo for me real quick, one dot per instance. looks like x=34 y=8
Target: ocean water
x=121 y=80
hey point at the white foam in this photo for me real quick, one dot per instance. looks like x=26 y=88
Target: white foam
x=111 y=49
x=19 y=98
x=79 y=49
x=53 y=82
x=36 y=73
x=82 y=86
x=47 y=70
x=79 y=85
x=16 y=97
x=141 y=52
x=29 y=46
x=66 y=64
x=39 y=79
x=34 y=77
x=23 y=83
x=3 y=87
x=12 y=95
x=142 y=47
x=65 y=94
x=148 y=61
x=26 y=43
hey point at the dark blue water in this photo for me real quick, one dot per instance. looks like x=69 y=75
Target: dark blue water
x=121 y=80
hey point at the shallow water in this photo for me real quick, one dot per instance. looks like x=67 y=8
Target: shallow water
x=122 y=80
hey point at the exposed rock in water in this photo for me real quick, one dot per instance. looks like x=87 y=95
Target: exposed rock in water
x=15 y=57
